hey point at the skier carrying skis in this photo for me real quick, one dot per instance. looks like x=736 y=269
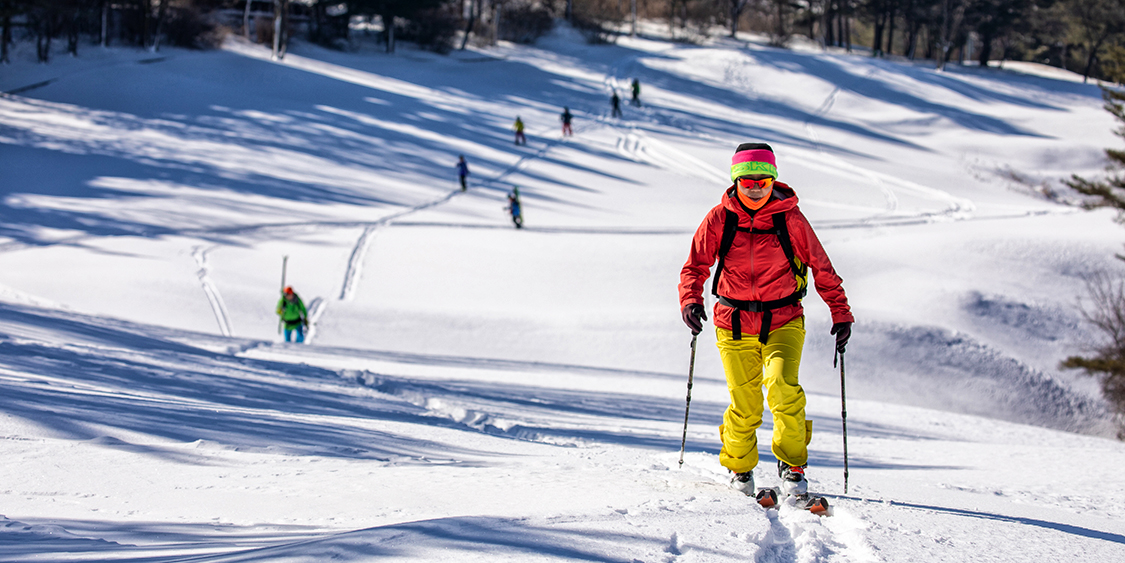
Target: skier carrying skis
x=293 y=313
x=518 y=126
x=765 y=248
x=514 y=207
x=463 y=172
x=566 y=118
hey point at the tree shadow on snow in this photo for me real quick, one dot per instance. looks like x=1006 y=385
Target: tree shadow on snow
x=437 y=539
x=154 y=386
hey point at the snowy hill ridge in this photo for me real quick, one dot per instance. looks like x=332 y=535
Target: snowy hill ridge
x=474 y=392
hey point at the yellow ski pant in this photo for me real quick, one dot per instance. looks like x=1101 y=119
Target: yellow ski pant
x=749 y=366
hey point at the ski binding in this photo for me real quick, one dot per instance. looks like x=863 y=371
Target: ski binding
x=768 y=498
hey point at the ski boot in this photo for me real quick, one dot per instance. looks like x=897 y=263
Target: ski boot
x=793 y=481
x=743 y=482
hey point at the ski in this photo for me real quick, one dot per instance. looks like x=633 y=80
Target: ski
x=768 y=498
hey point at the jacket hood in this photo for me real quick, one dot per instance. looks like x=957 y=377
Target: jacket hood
x=783 y=199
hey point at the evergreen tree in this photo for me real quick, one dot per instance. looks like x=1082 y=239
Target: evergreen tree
x=1108 y=192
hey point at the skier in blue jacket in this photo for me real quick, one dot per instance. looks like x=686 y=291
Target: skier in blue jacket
x=463 y=172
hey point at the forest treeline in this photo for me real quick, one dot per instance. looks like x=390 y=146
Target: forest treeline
x=1085 y=36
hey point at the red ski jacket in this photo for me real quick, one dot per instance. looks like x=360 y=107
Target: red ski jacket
x=755 y=267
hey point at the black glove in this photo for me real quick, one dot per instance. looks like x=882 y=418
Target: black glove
x=843 y=332
x=692 y=313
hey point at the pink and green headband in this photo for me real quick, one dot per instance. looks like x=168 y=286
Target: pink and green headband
x=753 y=161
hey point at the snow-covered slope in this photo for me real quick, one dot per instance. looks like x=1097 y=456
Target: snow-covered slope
x=474 y=392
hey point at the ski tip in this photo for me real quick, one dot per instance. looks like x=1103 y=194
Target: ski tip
x=818 y=506
x=767 y=498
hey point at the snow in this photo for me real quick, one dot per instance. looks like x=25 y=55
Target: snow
x=472 y=392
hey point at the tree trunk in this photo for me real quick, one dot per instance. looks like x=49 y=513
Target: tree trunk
x=43 y=40
x=146 y=13
x=950 y=26
x=1091 y=59
x=284 y=28
x=985 y=49
x=828 y=28
x=781 y=32
x=163 y=11
x=246 y=20
x=72 y=34
x=671 y=18
x=834 y=26
x=474 y=11
x=105 y=23
x=735 y=11
x=912 y=40
x=5 y=38
x=633 y=9
x=495 y=23
x=891 y=31
x=877 y=41
x=944 y=40
x=389 y=31
x=276 y=51
x=840 y=31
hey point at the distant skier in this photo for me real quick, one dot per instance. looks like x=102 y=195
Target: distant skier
x=514 y=208
x=616 y=102
x=761 y=278
x=463 y=172
x=636 y=92
x=518 y=126
x=293 y=313
x=566 y=119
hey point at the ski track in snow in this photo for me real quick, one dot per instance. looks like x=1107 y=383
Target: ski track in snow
x=316 y=309
x=212 y=291
x=634 y=145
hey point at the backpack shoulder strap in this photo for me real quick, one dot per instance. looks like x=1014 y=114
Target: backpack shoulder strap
x=730 y=227
x=782 y=230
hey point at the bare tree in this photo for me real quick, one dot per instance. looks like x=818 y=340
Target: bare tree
x=737 y=7
x=952 y=14
x=474 y=14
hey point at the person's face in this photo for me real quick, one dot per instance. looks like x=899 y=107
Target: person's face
x=755 y=185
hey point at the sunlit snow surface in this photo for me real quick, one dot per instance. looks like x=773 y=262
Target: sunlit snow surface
x=477 y=393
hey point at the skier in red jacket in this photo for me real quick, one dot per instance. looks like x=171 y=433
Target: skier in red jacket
x=765 y=248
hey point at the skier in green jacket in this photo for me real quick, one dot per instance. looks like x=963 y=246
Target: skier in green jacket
x=293 y=313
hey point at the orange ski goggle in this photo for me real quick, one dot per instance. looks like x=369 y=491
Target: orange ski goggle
x=760 y=184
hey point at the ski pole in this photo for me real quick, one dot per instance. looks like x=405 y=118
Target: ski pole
x=690 y=376
x=843 y=416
